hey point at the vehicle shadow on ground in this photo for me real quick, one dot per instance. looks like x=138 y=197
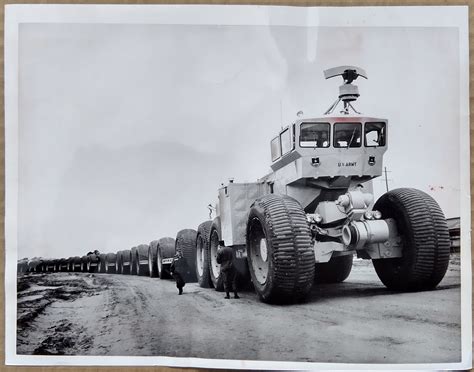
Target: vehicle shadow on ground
x=322 y=292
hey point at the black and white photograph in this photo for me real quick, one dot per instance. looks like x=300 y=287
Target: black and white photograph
x=242 y=187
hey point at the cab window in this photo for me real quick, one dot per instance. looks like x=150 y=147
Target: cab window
x=275 y=148
x=374 y=134
x=285 y=139
x=314 y=135
x=347 y=135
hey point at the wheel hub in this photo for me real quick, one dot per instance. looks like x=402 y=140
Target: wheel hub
x=215 y=267
x=200 y=257
x=259 y=253
x=263 y=250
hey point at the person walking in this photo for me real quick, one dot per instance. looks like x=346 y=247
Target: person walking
x=225 y=257
x=178 y=269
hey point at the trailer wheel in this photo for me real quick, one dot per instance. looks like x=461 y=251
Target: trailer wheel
x=424 y=237
x=92 y=263
x=126 y=262
x=84 y=260
x=202 y=253
x=335 y=271
x=118 y=263
x=133 y=261
x=142 y=260
x=186 y=243
x=166 y=248
x=152 y=263
x=110 y=261
x=281 y=256
x=102 y=263
x=214 y=267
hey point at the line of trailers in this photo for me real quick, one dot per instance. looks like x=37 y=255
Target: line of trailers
x=152 y=259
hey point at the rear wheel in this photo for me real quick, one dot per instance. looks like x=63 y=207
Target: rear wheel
x=186 y=243
x=214 y=267
x=280 y=251
x=424 y=237
x=166 y=248
x=335 y=271
x=202 y=253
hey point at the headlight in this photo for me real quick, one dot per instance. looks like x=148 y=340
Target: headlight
x=377 y=215
x=368 y=215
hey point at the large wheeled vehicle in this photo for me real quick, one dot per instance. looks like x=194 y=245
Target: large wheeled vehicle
x=306 y=220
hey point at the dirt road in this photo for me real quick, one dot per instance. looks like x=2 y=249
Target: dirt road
x=358 y=321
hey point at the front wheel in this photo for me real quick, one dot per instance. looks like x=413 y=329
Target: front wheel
x=424 y=237
x=280 y=251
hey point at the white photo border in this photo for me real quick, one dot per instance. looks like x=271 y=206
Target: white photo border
x=396 y=16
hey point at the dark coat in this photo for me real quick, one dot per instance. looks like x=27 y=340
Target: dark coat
x=179 y=265
x=225 y=257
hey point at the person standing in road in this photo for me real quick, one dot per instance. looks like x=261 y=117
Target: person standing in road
x=178 y=269
x=225 y=257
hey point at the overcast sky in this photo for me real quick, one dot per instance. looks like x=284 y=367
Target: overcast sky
x=127 y=131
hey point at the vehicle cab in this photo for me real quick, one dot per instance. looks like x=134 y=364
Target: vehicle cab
x=331 y=146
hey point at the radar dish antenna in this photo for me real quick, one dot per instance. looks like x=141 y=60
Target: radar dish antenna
x=347 y=91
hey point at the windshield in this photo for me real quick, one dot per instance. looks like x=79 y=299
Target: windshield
x=314 y=135
x=347 y=134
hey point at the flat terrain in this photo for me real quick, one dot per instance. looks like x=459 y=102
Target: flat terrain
x=358 y=321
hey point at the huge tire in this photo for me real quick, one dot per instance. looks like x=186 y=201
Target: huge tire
x=70 y=263
x=142 y=260
x=424 y=237
x=84 y=260
x=186 y=243
x=126 y=260
x=102 y=263
x=76 y=264
x=335 y=271
x=93 y=263
x=57 y=265
x=133 y=261
x=118 y=263
x=166 y=247
x=152 y=264
x=214 y=267
x=63 y=265
x=202 y=254
x=110 y=261
x=280 y=251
